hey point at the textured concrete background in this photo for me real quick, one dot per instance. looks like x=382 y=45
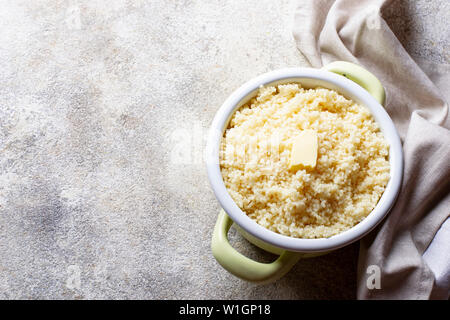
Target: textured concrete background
x=95 y=99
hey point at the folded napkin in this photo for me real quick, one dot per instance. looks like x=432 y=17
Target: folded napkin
x=411 y=248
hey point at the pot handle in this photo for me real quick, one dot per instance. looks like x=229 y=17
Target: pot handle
x=359 y=75
x=241 y=266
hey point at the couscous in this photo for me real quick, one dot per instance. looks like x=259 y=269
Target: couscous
x=343 y=187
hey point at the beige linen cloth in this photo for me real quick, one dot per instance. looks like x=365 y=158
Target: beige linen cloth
x=354 y=31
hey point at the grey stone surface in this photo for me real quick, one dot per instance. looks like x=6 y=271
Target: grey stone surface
x=95 y=99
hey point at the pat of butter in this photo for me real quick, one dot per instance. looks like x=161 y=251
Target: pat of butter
x=304 y=150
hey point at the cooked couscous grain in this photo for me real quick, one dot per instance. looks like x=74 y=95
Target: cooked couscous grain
x=350 y=176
